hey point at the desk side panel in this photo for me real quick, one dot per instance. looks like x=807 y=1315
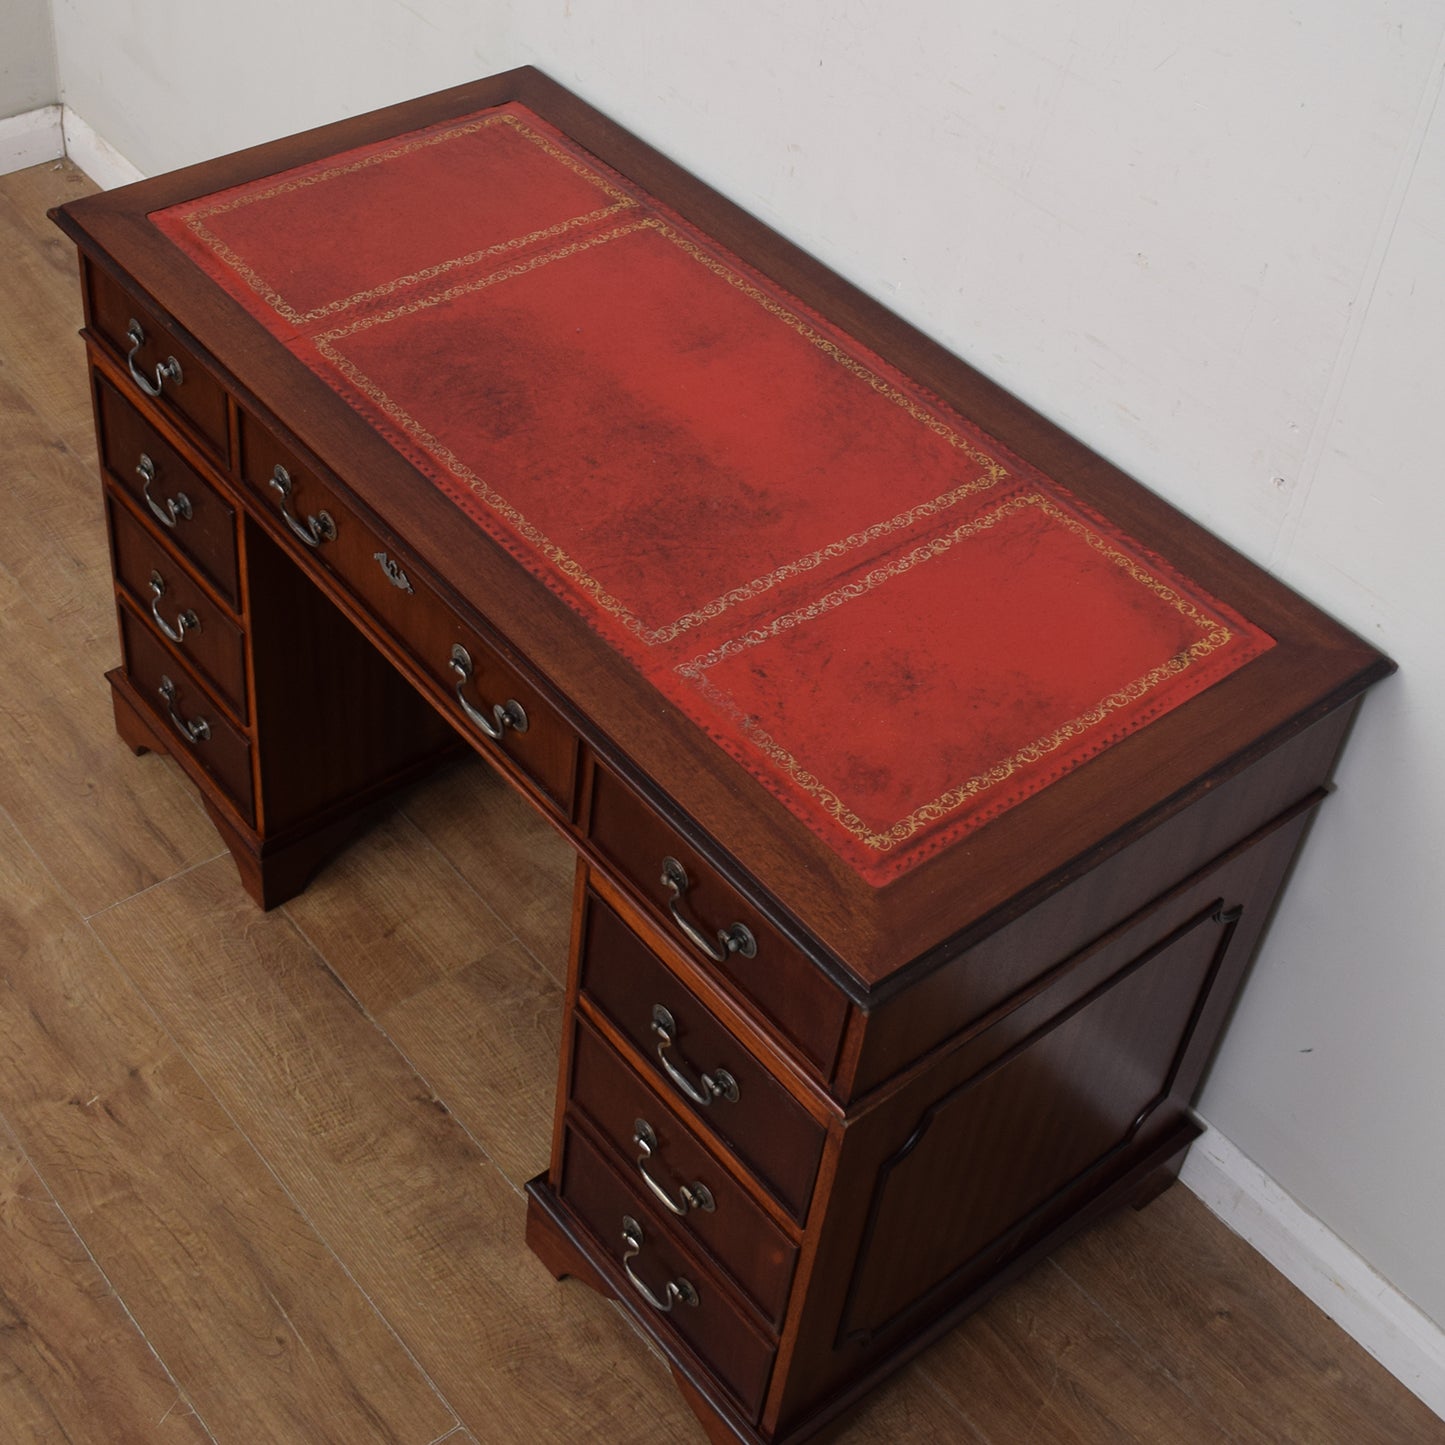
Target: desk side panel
x=1010 y=1140
x=959 y=995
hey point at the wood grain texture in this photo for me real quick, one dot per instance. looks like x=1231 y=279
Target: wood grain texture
x=225 y=1277
x=909 y=1407
x=1042 y=1363
x=41 y=291
x=106 y=824
x=508 y=854
x=428 y=1229
x=394 y=910
x=487 y=1037
x=1252 y=1343
x=73 y=1366
x=124 y=827
x=449 y=984
x=50 y=543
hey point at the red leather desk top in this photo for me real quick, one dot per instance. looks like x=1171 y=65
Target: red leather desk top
x=898 y=627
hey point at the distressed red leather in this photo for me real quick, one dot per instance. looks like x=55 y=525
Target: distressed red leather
x=897 y=626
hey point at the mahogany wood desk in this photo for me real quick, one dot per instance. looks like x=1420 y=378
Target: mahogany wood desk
x=930 y=781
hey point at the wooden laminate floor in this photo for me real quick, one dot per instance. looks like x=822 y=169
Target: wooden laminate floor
x=260 y=1174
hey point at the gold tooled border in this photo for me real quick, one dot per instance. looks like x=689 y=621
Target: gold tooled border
x=1215 y=636
x=994 y=471
x=195 y=222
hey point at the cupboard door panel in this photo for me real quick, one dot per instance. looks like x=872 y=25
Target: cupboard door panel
x=1067 y=1087
x=1001 y=1145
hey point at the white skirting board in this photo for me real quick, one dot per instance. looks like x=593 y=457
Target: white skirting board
x=54 y=131
x=95 y=156
x=1409 y=1344
x=30 y=139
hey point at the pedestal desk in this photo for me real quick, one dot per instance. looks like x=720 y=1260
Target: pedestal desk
x=930 y=780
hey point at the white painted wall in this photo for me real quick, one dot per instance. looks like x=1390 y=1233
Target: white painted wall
x=27 y=57
x=171 y=81
x=1208 y=239
x=1333 y=1074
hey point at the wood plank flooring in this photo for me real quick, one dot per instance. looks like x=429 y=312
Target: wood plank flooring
x=260 y=1174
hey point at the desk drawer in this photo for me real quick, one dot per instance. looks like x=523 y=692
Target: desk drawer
x=659 y=1153
x=197 y=519
x=189 y=716
x=758 y=1120
x=666 y=1283
x=489 y=701
x=695 y=906
x=161 y=368
x=179 y=608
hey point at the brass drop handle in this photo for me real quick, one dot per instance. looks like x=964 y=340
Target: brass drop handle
x=197 y=731
x=717 y=1085
x=694 y=1196
x=175 y=507
x=315 y=530
x=168 y=370
x=186 y=621
x=738 y=939
x=510 y=714
x=677 y=1289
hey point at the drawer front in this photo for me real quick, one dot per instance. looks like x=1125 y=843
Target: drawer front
x=663 y=1156
x=189 y=716
x=666 y=1283
x=757 y=1119
x=161 y=369
x=716 y=925
x=178 y=608
x=197 y=519
x=506 y=713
